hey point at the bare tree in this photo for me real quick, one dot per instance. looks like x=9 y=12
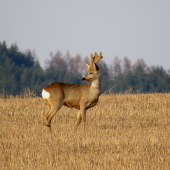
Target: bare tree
x=58 y=63
x=115 y=67
x=126 y=64
x=78 y=64
x=67 y=59
x=139 y=62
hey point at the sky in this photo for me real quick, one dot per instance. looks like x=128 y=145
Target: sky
x=132 y=28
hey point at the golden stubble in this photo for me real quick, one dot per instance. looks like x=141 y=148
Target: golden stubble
x=123 y=132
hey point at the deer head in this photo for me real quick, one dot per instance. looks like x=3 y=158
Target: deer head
x=93 y=69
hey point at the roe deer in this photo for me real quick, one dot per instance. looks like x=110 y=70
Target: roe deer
x=76 y=96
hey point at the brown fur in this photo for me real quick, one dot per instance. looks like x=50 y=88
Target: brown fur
x=76 y=96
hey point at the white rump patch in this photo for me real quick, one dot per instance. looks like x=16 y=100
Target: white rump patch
x=45 y=94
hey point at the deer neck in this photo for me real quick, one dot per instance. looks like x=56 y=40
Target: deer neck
x=96 y=88
x=96 y=83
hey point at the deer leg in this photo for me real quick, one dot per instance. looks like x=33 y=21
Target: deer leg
x=49 y=108
x=46 y=117
x=83 y=115
x=54 y=108
x=78 y=120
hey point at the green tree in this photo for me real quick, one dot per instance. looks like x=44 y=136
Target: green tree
x=16 y=69
x=158 y=80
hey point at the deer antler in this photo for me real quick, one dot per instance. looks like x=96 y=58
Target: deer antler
x=92 y=60
x=97 y=57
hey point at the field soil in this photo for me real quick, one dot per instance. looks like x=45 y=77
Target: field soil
x=126 y=132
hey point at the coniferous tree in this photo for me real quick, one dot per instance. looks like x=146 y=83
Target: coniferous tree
x=21 y=70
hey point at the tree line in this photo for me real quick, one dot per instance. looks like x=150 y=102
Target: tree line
x=21 y=70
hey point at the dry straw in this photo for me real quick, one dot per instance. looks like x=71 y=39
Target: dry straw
x=128 y=131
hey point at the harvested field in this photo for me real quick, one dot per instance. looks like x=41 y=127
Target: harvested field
x=129 y=131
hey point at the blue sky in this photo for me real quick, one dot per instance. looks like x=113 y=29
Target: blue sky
x=136 y=29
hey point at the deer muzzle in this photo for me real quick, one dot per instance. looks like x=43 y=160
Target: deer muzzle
x=84 y=79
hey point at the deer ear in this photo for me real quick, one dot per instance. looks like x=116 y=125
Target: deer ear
x=87 y=66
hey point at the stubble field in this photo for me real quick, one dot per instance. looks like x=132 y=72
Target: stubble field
x=130 y=131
